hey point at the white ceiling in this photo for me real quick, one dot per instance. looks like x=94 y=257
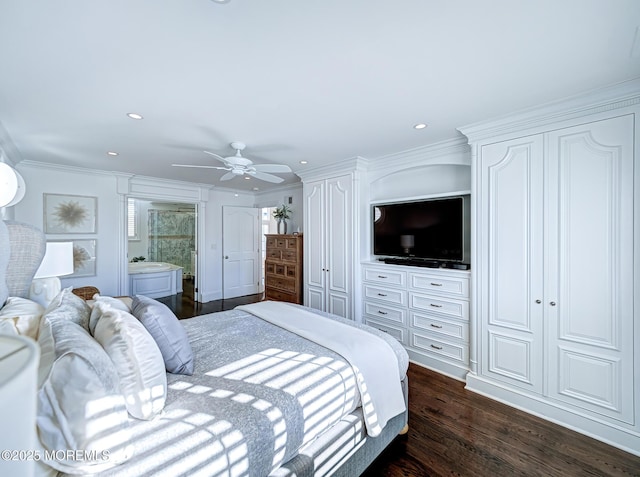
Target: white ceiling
x=320 y=81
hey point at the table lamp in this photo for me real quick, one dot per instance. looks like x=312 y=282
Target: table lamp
x=407 y=242
x=57 y=261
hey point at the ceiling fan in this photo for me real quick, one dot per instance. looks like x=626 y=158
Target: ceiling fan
x=239 y=166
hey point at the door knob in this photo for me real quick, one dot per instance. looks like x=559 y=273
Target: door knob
x=553 y=303
x=226 y=256
x=538 y=301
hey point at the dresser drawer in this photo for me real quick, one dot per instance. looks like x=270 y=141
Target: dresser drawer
x=427 y=343
x=285 y=284
x=385 y=313
x=398 y=333
x=289 y=256
x=390 y=295
x=273 y=254
x=449 y=307
x=445 y=328
x=292 y=243
x=423 y=282
x=388 y=277
x=279 y=295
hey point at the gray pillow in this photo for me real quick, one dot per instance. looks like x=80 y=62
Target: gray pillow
x=67 y=306
x=167 y=332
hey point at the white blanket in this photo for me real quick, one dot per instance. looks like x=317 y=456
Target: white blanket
x=372 y=359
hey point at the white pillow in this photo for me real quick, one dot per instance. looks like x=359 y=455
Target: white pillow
x=80 y=406
x=24 y=314
x=7 y=327
x=138 y=361
x=107 y=300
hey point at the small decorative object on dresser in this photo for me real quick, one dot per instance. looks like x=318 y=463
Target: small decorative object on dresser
x=283 y=268
x=282 y=214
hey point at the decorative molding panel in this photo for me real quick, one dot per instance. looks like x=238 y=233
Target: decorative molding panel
x=511 y=357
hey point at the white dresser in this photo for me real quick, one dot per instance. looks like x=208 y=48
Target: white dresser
x=426 y=309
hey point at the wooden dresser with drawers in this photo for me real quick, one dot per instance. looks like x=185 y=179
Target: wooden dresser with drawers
x=283 y=268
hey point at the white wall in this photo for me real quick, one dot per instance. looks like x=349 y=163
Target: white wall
x=110 y=190
x=42 y=179
x=278 y=197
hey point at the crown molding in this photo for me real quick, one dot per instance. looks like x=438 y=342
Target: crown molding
x=615 y=96
x=334 y=169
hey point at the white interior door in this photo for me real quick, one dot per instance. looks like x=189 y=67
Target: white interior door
x=240 y=251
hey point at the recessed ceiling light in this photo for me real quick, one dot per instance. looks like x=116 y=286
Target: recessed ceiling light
x=256 y=188
x=247 y=178
x=112 y=153
x=221 y=1
x=303 y=162
x=135 y=116
x=236 y=195
x=420 y=126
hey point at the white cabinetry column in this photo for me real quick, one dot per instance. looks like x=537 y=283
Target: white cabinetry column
x=556 y=281
x=329 y=244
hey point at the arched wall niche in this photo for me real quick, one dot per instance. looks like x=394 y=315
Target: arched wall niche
x=421 y=181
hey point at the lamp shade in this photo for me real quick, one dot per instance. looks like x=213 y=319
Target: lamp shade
x=57 y=261
x=12 y=187
x=19 y=358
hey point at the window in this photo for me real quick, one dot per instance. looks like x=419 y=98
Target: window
x=132 y=220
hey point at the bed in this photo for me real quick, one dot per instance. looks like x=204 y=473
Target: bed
x=256 y=399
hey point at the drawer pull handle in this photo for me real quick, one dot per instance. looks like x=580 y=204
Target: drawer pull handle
x=436 y=347
x=436 y=284
x=435 y=306
x=381 y=276
x=382 y=294
x=436 y=326
x=382 y=312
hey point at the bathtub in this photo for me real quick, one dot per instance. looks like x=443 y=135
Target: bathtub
x=154 y=279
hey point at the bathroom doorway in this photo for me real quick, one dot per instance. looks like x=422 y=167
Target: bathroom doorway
x=163 y=232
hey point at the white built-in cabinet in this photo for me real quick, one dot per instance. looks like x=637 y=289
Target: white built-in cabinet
x=329 y=241
x=555 y=271
x=425 y=309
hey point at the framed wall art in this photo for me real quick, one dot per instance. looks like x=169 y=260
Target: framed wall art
x=84 y=257
x=70 y=214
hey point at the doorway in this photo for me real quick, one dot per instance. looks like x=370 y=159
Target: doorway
x=269 y=226
x=166 y=232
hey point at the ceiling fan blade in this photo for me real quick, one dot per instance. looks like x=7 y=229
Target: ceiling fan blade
x=217 y=156
x=228 y=176
x=263 y=176
x=201 y=167
x=277 y=168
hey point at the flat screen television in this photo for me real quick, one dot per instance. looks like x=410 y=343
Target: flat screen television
x=430 y=229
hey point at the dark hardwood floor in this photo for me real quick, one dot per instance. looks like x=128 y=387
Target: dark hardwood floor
x=183 y=305
x=455 y=432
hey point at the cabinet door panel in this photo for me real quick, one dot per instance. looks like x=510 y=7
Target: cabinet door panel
x=339 y=237
x=314 y=236
x=511 y=237
x=590 y=270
